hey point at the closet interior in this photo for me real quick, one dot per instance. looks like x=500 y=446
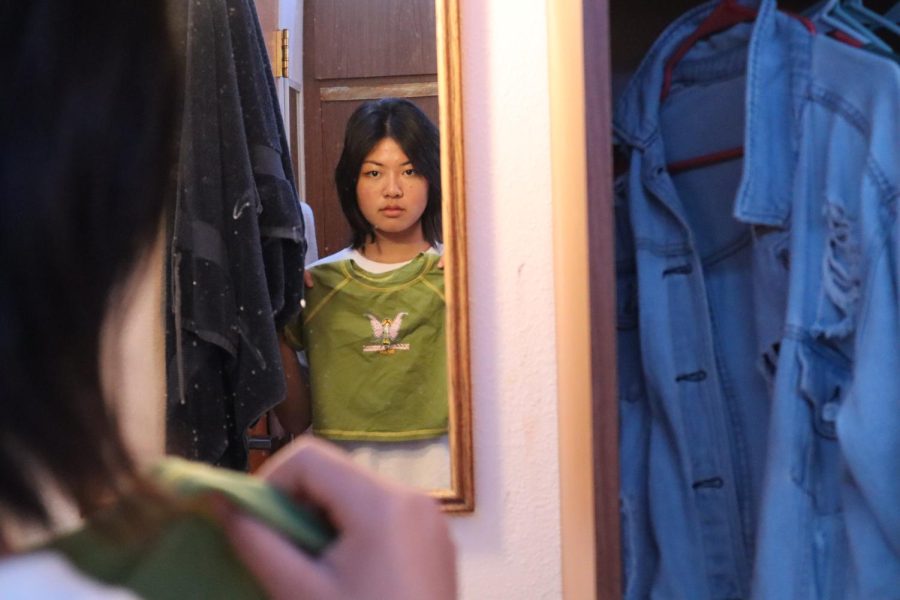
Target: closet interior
x=749 y=182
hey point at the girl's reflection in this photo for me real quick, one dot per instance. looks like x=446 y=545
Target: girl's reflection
x=373 y=325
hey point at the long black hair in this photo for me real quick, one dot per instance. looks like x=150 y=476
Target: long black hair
x=406 y=124
x=87 y=119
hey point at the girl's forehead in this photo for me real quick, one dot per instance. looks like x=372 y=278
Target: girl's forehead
x=387 y=151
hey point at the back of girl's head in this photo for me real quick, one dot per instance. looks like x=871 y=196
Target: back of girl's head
x=87 y=110
x=405 y=123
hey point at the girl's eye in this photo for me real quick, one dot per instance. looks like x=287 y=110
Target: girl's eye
x=371 y=173
x=410 y=172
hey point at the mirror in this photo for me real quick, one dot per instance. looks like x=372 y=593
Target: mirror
x=352 y=51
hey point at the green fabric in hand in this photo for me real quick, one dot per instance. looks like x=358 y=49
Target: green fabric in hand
x=174 y=548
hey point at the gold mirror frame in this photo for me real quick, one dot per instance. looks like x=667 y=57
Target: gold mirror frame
x=460 y=498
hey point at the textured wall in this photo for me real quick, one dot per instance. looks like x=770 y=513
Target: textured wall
x=510 y=547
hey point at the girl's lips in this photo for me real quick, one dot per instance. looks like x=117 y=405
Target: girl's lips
x=391 y=211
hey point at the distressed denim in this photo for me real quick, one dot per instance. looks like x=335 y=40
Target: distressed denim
x=694 y=400
x=830 y=518
x=789 y=303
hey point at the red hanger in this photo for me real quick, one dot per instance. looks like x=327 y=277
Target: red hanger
x=706 y=160
x=725 y=15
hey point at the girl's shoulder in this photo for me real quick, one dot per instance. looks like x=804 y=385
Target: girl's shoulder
x=345 y=254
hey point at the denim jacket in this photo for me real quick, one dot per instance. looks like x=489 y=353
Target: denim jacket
x=830 y=520
x=694 y=399
x=723 y=315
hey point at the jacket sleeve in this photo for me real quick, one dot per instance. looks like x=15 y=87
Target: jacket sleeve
x=869 y=435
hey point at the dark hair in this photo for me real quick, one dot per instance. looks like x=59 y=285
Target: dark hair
x=87 y=117
x=405 y=123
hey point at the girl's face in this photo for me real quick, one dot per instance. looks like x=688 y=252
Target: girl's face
x=392 y=195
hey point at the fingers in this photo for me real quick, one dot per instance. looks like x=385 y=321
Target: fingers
x=279 y=567
x=393 y=542
x=307 y=278
x=440 y=263
x=317 y=471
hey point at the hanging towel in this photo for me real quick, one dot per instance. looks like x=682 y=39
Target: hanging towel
x=237 y=247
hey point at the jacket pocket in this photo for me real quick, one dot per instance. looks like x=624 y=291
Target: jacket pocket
x=823 y=379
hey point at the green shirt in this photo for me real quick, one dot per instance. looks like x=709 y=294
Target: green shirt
x=177 y=549
x=377 y=351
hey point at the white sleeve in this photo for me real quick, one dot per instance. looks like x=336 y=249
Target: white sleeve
x=309 y=228
x=47 y=575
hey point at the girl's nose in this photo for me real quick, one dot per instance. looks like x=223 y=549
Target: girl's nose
x=392 y=187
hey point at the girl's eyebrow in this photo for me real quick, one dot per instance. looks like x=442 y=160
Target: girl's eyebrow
x=378 y=164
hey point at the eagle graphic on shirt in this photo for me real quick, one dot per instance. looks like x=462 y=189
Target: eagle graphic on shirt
x=386 y=331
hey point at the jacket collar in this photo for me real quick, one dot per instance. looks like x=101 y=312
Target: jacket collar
x=777 y=71
x=777 y=62
x=636 y=119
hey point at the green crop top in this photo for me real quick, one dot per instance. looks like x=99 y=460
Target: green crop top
x=377 y=351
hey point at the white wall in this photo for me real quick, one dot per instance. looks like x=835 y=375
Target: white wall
x=510 y=547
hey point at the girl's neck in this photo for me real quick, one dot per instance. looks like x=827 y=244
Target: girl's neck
x=394 y=249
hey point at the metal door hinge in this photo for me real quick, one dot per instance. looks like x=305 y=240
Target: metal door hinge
x=282 y=52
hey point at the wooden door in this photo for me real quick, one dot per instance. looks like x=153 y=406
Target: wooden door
x=356 y=50
x=598 y=84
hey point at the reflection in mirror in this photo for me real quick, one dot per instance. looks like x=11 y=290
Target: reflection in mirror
x=385 y=298
x=372 y=330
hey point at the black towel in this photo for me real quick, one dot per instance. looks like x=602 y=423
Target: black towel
x=236 y=255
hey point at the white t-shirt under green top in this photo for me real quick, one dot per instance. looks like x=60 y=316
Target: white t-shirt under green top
x=366 y=264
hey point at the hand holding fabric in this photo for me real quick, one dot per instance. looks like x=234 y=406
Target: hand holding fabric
x=393 y=542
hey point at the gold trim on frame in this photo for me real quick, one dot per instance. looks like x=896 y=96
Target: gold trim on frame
x=460 y=498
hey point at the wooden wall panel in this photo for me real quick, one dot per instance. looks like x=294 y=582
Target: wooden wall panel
x=387 y=37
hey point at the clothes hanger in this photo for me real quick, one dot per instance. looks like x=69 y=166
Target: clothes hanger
x=882 y=7
x=893 y=14
x=883 y=36
x=833 y=15
x=823 y=15
x=725 y=15
x=707 y=160
x=842 y=13
x=873 y=18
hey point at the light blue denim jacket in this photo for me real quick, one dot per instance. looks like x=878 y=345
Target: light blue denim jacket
x=694 y=400
x=709 y=333
x=830 y=520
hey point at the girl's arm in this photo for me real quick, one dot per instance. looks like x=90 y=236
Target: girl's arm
x=294 y=412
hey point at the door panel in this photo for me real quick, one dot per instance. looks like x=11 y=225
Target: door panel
x=371 y=38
